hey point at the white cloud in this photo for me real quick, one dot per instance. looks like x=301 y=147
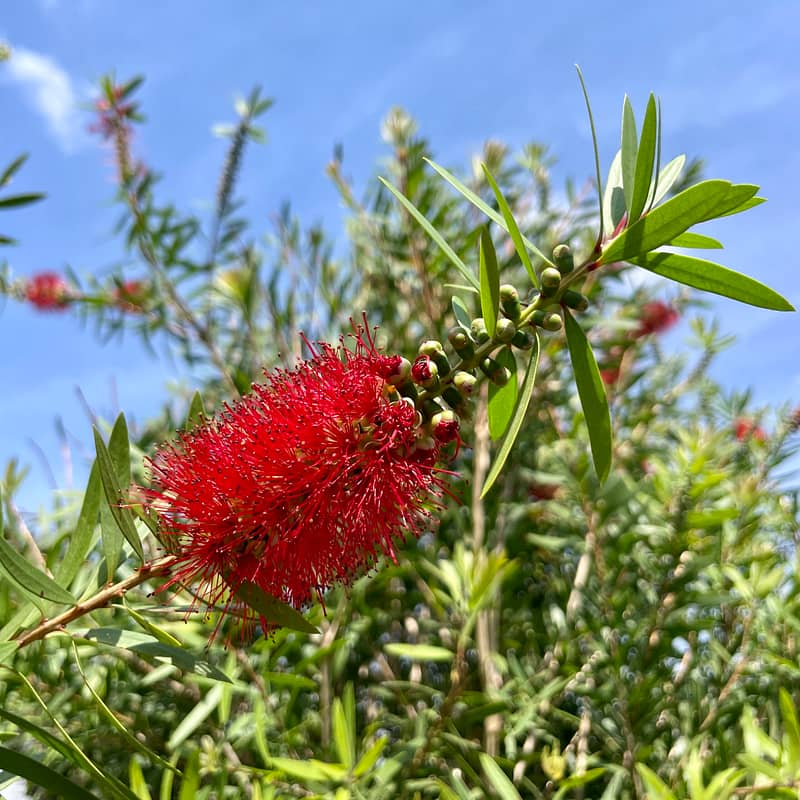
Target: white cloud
x=51 y=92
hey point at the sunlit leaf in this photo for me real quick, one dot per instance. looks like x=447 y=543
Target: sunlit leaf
x=498 y=779
x=489 y=281
x=645 y=157
x=629 y=148
x=418 y=652
x=696 y=241
x=503 y=399
x=40 y=775
x=273 y=610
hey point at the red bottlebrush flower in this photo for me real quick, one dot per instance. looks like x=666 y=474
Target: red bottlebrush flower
x=610 y=376
x=48 y=291
x=130 y=296
x=745 y=428
x=302 y=484
x=656 y=317
x=543 y=491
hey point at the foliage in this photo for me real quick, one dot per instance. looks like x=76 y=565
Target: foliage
x=611 y=615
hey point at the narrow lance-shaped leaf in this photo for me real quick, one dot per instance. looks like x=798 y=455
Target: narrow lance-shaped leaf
x=432 y=232
x=665 y=179
x=499 y=781
x=40 y=775
x=503 y=399
x=514 y=427
x=272 y=609
x=81 y=539
x=113 y=464
x=698 y=203
x=644 y=162
x=484 y=207
x=696 y=241
x=598 y=176
x=26 y=576
x=490 y=281
x=12 y=168
x=592 y=395
x=511 y=226
x=461 y=313
x=629 y=149
x=196 y=413
x=711 y=277
x=613 y=196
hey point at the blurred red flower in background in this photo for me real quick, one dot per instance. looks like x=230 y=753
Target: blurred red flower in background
x=656 y=317
x=302 y=484
x=745 y=428
x=48 y=291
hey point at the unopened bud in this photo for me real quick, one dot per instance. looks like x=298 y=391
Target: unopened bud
x=562 y=255
x=505 y=330
x=455 y=400
x=551 y=280
x=550 y=321
x=461 y=343
x=495 y=372
x=522 y=340
x=425 y=372
x=435 y=352
x=430 y=347
x=509 y=301
x=464 y=382
x=478 y=330
x=576 y=300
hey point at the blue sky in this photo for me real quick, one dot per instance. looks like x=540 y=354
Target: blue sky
x=727 y=73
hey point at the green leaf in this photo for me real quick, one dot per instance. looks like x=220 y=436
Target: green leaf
x=21 y=199
x=196 y=413
x=148 y=646
x=511 y=227
x=791 y=727
x=192 y=721
x=655 y=787
x=498 y=779
x=712 y=277
x=136 y=780
x=273 y=610
x=484 y=207
x=432 y=232
x=629 y=149
x=598 y=176
x=191 y=777
x=27 y=577
x=461 y=313
x=343 y=735
x=517 y=419
x=156 y=632
x=12 y=168
x=113 y=463
x=666 y=178
x=7 y=650
x=311 y=770
x=418 y=652
x=40 y=775
x=503 y=399
x=698 y=203
x=645 y=157
x=695 y=240
x=613 y=197
x=592 y=395
x=81 y=539
x=370 y=756
x=489 y=280
x=746 y=206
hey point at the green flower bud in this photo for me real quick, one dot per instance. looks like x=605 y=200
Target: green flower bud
x=495 y=372
x=505 y=330
x=576 y=300
x=550 y=321
x=478 y=330
x=455 y=400
x=522 y=340
x=464 y=382
x=430 y=347
x=562 y=255
x=435 y=352
x=461 y=343
x=551 y=280
x=509 y=301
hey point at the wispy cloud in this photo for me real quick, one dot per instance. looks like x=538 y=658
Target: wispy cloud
x=51 y=91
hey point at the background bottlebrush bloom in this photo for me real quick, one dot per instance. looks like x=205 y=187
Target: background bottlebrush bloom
x=656 y=317
x=48 y=291
x=745 y=428
x=302 y=484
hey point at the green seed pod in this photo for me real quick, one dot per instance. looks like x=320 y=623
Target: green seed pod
x=562 y=255
x=505 y=330
x=509 y=301
x=551 y=280
x=478 y=330
x=464 y=382
x=576 y=300
x=522 y=340
x=495 y=372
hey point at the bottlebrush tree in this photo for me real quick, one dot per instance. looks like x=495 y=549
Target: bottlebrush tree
x=494 y=541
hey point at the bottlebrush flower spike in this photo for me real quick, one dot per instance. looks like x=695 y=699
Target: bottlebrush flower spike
x=48 y=291
x=745 y=428
x=302 y=484
x=656 y=317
